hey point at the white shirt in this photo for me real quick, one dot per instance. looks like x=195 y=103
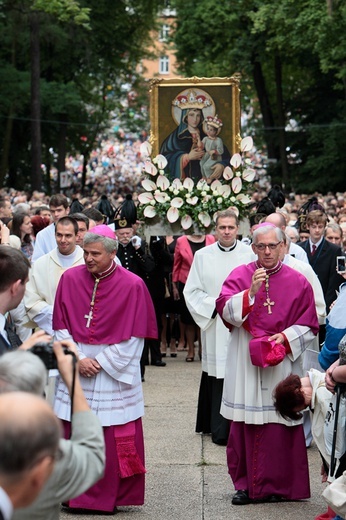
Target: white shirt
x=316 y=244
x=2 y=328
x=44 y=243
x=298 y=252
x=6 y=506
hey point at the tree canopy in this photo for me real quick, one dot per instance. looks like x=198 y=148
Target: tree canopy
x=88 y=54
x=291 y=55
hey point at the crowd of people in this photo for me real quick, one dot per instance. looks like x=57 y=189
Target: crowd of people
x=80 y=271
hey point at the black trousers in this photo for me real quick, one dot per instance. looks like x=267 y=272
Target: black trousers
x=209 y=419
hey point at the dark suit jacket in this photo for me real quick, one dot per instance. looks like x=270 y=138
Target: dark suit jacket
x=323 y=263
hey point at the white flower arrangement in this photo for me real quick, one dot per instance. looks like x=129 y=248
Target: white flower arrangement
x=194 y=203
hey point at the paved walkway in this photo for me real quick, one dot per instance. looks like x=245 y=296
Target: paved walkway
x=187 y=477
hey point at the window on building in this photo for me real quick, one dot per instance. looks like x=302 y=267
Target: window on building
x=164 y=65
x=164 y=33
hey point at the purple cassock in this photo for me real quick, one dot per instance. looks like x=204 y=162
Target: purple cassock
x=109 y=321
x=266 y=455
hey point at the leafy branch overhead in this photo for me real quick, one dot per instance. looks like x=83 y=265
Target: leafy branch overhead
x=64 y=11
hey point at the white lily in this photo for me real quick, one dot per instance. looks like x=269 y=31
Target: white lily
x=145 y=149
x=244 y=199
x=176 y=183
x=186 y=222
x=188 y=184
x=172 y=215
x=161 y=162
x=145 y=198
x=225 y=191
x=236 y=160
x=227 y=173
x=193 y=201
x=148 y=185
x=216 y=185
x=202 y=184
x=249 y=174
x=237 y=184
x=163 y=183
x=149 y=212
x=160 y=197
x=177 y=202
x=246 y=144
x=204 y=218
x=150 y=168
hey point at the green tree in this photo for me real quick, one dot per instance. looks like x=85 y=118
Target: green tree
x=291 y=57
x=87 y=50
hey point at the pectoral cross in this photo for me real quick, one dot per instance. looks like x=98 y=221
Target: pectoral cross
x=269 y=304
x=89 y=317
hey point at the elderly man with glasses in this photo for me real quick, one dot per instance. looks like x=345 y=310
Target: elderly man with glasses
x=271 y=313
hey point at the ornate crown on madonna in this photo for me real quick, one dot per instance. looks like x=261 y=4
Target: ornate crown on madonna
x=192 y=100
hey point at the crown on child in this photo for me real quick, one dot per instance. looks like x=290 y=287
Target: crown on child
x=214 y=121
x=191 y=100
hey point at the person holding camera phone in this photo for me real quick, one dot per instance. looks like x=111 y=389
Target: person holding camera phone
x=335 y=328
x=108 y=312
x=81 y=459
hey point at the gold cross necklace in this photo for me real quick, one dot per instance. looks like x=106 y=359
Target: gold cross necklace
x=268 y=303
x=109 y=271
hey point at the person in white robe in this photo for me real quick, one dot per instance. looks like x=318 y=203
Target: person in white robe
x=46 y=272
x=272 y=316
x=210 y=267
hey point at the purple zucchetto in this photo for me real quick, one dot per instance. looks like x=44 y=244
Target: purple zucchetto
x=103 y=231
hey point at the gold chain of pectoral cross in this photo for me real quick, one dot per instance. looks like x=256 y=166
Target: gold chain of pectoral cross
x=89 y=316
x=268 y=303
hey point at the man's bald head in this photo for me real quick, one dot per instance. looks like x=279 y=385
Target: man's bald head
x=29 y=433
x=277 y=219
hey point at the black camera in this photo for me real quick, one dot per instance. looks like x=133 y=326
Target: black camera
x=46 y=354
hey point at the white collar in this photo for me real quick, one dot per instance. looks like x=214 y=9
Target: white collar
x=317 y=243
x=2 y=323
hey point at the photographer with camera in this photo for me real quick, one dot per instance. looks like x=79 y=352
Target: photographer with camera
x=14 y=272
x=82 y=457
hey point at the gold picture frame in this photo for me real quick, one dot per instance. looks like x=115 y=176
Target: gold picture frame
x=216 y=98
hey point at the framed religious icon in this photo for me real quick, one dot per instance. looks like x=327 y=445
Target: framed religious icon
x=195 y=124
x=196 y=163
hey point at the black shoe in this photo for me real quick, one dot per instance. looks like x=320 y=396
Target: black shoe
x=270 y=499
x=241 y=498
x=159 y=364
x=273 y=499
x=143 y=380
